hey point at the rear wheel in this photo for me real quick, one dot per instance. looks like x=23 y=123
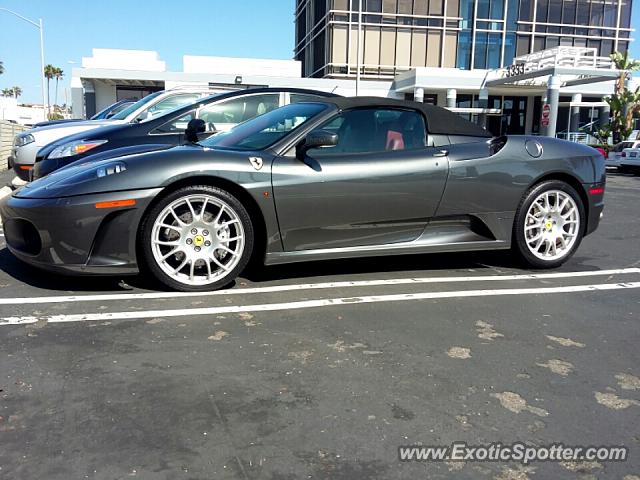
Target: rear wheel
x=549 y=224
x=197 y=238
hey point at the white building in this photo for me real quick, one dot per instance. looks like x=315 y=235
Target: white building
x=24 y=115
x=573 y=80
x=112 y=75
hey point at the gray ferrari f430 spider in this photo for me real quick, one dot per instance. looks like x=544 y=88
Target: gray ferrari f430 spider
x=337 y=178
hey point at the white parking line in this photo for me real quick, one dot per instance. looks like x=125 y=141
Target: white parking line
x=327 y=302
x=313 y=286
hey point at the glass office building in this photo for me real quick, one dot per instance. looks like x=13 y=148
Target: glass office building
x=444 y=51
x=400 y=35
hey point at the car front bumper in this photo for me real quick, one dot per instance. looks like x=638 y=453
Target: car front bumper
x=71 y=235
x=23 y=160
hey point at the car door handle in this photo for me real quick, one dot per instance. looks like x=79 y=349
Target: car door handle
x=441 y=153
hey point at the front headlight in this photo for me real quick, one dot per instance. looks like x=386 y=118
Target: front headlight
x=75 y=148
x=23 y=139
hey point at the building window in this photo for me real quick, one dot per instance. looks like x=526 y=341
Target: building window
x=405 y=7
x=542 y=10
x=450 y=48
x=569 y=11
x=555 y=11
x=434 y=47
x=523 y=46
x=419 y=48
x=453 y=8
x=526 y=10
x=625 y=14
x=464 y=50
x=436 y=7
x=509 y=48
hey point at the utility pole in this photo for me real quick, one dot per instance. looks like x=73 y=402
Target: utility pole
x=359 y=47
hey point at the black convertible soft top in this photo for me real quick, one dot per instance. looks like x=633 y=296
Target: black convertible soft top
x=440 y=121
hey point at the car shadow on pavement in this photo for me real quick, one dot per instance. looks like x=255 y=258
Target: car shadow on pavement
x=630 y=175
x=385 y=264
x=38 y=278
x=42 y=279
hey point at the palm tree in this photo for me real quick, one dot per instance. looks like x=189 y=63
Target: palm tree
x=49 y=73
x=1 y=68
x=17 y=91
x=624 y=103
x=622 y=62
x=58 y=74
x=7 y=92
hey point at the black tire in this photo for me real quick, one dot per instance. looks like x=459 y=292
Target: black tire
x=519 y=244
x=148 y=262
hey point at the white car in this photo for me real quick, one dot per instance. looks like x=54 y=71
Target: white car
x=630 y=160
x=27 y=144
x=615 y=154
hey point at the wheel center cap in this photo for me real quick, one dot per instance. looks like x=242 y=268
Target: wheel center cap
x=548 y=225
x=198 y=240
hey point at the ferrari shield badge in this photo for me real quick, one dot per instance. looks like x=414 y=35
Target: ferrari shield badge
x=256 y=162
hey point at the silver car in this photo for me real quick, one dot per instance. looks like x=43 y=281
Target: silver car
x=615 y=155
x=27 y=144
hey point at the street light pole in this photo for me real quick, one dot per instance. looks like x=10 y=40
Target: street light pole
x=40 y=26
x=359 y=48
x=45 y=99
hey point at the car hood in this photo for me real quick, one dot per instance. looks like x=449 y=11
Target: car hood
x=50 y=133
x=154 y=168
x=86 y=134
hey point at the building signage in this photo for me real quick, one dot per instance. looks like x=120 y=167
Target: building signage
x=546 y=111
x=517 y=69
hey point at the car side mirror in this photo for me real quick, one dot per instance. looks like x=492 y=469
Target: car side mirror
x=194 y=128
x=316 y=139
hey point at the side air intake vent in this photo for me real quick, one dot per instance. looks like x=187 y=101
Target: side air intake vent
x=496 y=144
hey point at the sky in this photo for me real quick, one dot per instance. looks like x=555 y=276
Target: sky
x=240 y=28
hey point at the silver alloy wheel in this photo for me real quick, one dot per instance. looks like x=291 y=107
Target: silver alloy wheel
x=197 y=239
x=552 y=225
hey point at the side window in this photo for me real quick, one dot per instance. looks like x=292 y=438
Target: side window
x=305 y=97
x=167 y=104
x=176 y=125
x=237 y=110
x=375 y=130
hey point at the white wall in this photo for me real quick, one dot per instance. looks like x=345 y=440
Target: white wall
x=105 y=94
x=10 y=110
x=125 y=60
x=241 y=66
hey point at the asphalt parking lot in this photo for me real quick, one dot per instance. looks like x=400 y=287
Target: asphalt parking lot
x=322 y=370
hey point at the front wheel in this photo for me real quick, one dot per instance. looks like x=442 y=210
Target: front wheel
x=197 y=238
x=549 y=224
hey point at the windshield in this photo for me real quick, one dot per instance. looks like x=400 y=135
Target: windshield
x=179 y=105
x=132 y=108
x=265 y=130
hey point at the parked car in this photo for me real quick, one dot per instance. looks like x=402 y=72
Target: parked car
x=630 y=160
x=104 y=114
x=615 y=154
x=27 y=144
x=338 y=178
x=218 y=112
